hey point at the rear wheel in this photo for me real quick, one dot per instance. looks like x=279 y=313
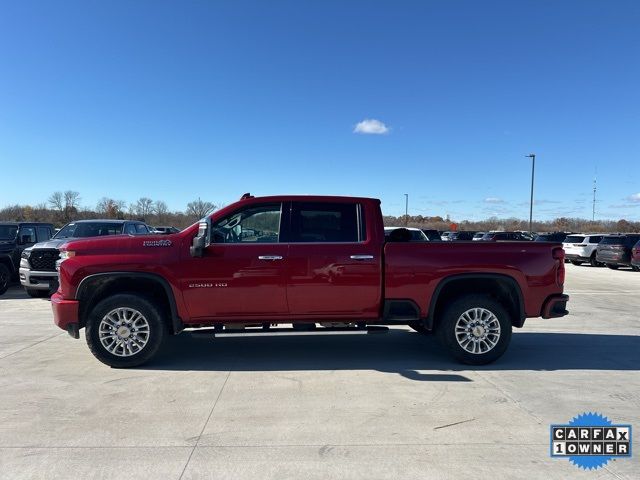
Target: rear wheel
x=37 y=293
x=593 y=262
x=125 y=330
x=475 y=329
x=612 y=266
x=5 y=278
x=576 y=262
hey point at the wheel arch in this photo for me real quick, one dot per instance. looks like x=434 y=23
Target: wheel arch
x=503 y=288
x=94 y=288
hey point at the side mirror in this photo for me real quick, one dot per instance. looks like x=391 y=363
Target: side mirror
x=200 y=241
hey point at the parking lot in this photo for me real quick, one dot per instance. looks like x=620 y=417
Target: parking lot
x=320 y=406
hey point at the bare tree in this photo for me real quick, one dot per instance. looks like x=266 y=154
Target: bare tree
x=56 y=200
x=110 y=208
x=144 y=207
x=71 y=204
x=161 y=210
x=199 y=208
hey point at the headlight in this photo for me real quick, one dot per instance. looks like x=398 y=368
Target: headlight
x=64 y=254
x=24 y=263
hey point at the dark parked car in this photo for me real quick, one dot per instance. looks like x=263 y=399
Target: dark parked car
x=615 y=250
x=38 y=264
x=460 y=236
x=505 y=237
x=478 y=236
x=556 y=237
x=432 y=235
x=635 y=256
x=14 y=238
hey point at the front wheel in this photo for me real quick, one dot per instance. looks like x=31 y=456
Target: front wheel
x=37 y=293
x=5 y=278
x=475 y=329
x=125 y=330
x=612 y=266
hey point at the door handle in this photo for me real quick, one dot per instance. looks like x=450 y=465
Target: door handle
x=361 y=257
x=270 y=257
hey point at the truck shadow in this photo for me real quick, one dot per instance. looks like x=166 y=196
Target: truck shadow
x=398 y=351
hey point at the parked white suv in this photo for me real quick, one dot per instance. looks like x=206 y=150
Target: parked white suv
x=581 y=248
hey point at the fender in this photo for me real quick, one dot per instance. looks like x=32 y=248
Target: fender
x=176 y=321
x=478 y=276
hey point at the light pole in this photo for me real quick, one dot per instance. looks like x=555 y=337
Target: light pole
x=406 y=209
x=532 y=156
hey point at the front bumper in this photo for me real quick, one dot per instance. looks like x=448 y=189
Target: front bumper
x=555 y=306
x=38 y=280
x=65 y=314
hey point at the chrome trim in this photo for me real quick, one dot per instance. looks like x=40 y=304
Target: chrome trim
x=361 y=257
x=270 y=257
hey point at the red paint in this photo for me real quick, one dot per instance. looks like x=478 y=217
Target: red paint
x=312 y=280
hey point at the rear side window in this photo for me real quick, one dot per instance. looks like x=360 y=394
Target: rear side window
x=325 y=222
x=44 y=234
x=27 y=234
x=595 y=239
x=612 y=241
x=575 y=239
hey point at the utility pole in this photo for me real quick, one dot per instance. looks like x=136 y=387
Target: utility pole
x=593 y=213
x=406 y=209
x=532 y=156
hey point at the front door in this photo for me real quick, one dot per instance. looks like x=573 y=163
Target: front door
x=242 y=275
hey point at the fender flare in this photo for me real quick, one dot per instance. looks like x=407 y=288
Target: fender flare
x=176 y=321
x=478 y=276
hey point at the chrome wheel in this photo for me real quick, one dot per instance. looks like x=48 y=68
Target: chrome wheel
x=123 y=331
x=477 y=330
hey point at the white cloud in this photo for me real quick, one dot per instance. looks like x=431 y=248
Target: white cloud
x=634 y=198
x=371 y=126
x=493 y=200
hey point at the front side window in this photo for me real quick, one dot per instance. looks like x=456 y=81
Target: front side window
x=141 y=229
x=259 y=224
x=27 y=235
x=44 y=234
x=8 y=232
x=326 y=222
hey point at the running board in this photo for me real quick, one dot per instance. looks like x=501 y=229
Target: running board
x=212 y=332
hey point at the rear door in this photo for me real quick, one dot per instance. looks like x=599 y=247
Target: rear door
x=334 y=267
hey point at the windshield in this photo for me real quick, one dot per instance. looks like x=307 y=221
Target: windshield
x=619 y=240
x=89 y=229
x=8 y=232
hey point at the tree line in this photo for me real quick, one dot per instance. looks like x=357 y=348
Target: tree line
x=562 y=224
x=63 y=207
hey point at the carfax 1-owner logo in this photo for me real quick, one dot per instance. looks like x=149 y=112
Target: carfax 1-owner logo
x=590 y=441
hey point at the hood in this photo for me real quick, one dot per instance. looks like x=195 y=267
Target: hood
x=122 y=243
x=53 y=243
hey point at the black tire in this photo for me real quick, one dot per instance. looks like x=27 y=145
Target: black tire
x=419 y=327
x=36 y=293
x=593 y=262
x=157 y=330
x=5 y=278
x=612 y=266
x=635 y=269
x=446 y=326
x=576 y=262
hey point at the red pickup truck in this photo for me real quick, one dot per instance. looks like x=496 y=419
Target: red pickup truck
x=304 y=261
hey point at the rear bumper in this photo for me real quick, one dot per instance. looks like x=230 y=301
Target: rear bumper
x=573 y=256
x=65 y=314
x=555 y=306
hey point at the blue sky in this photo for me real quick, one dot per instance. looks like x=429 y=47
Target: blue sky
x=175 y=100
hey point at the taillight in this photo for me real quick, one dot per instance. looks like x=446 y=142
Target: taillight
x=558 y=256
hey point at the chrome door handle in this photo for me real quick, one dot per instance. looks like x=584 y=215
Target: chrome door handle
x=361 y=257
x=270 y=257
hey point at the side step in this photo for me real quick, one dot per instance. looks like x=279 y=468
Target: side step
x=213 y=332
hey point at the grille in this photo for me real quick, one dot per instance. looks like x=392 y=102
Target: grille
x=44 y=260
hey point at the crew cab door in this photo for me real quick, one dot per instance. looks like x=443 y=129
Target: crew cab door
x=334 y=268
x=242 y=274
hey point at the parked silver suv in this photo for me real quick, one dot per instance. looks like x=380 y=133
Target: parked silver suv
x=581 y=248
